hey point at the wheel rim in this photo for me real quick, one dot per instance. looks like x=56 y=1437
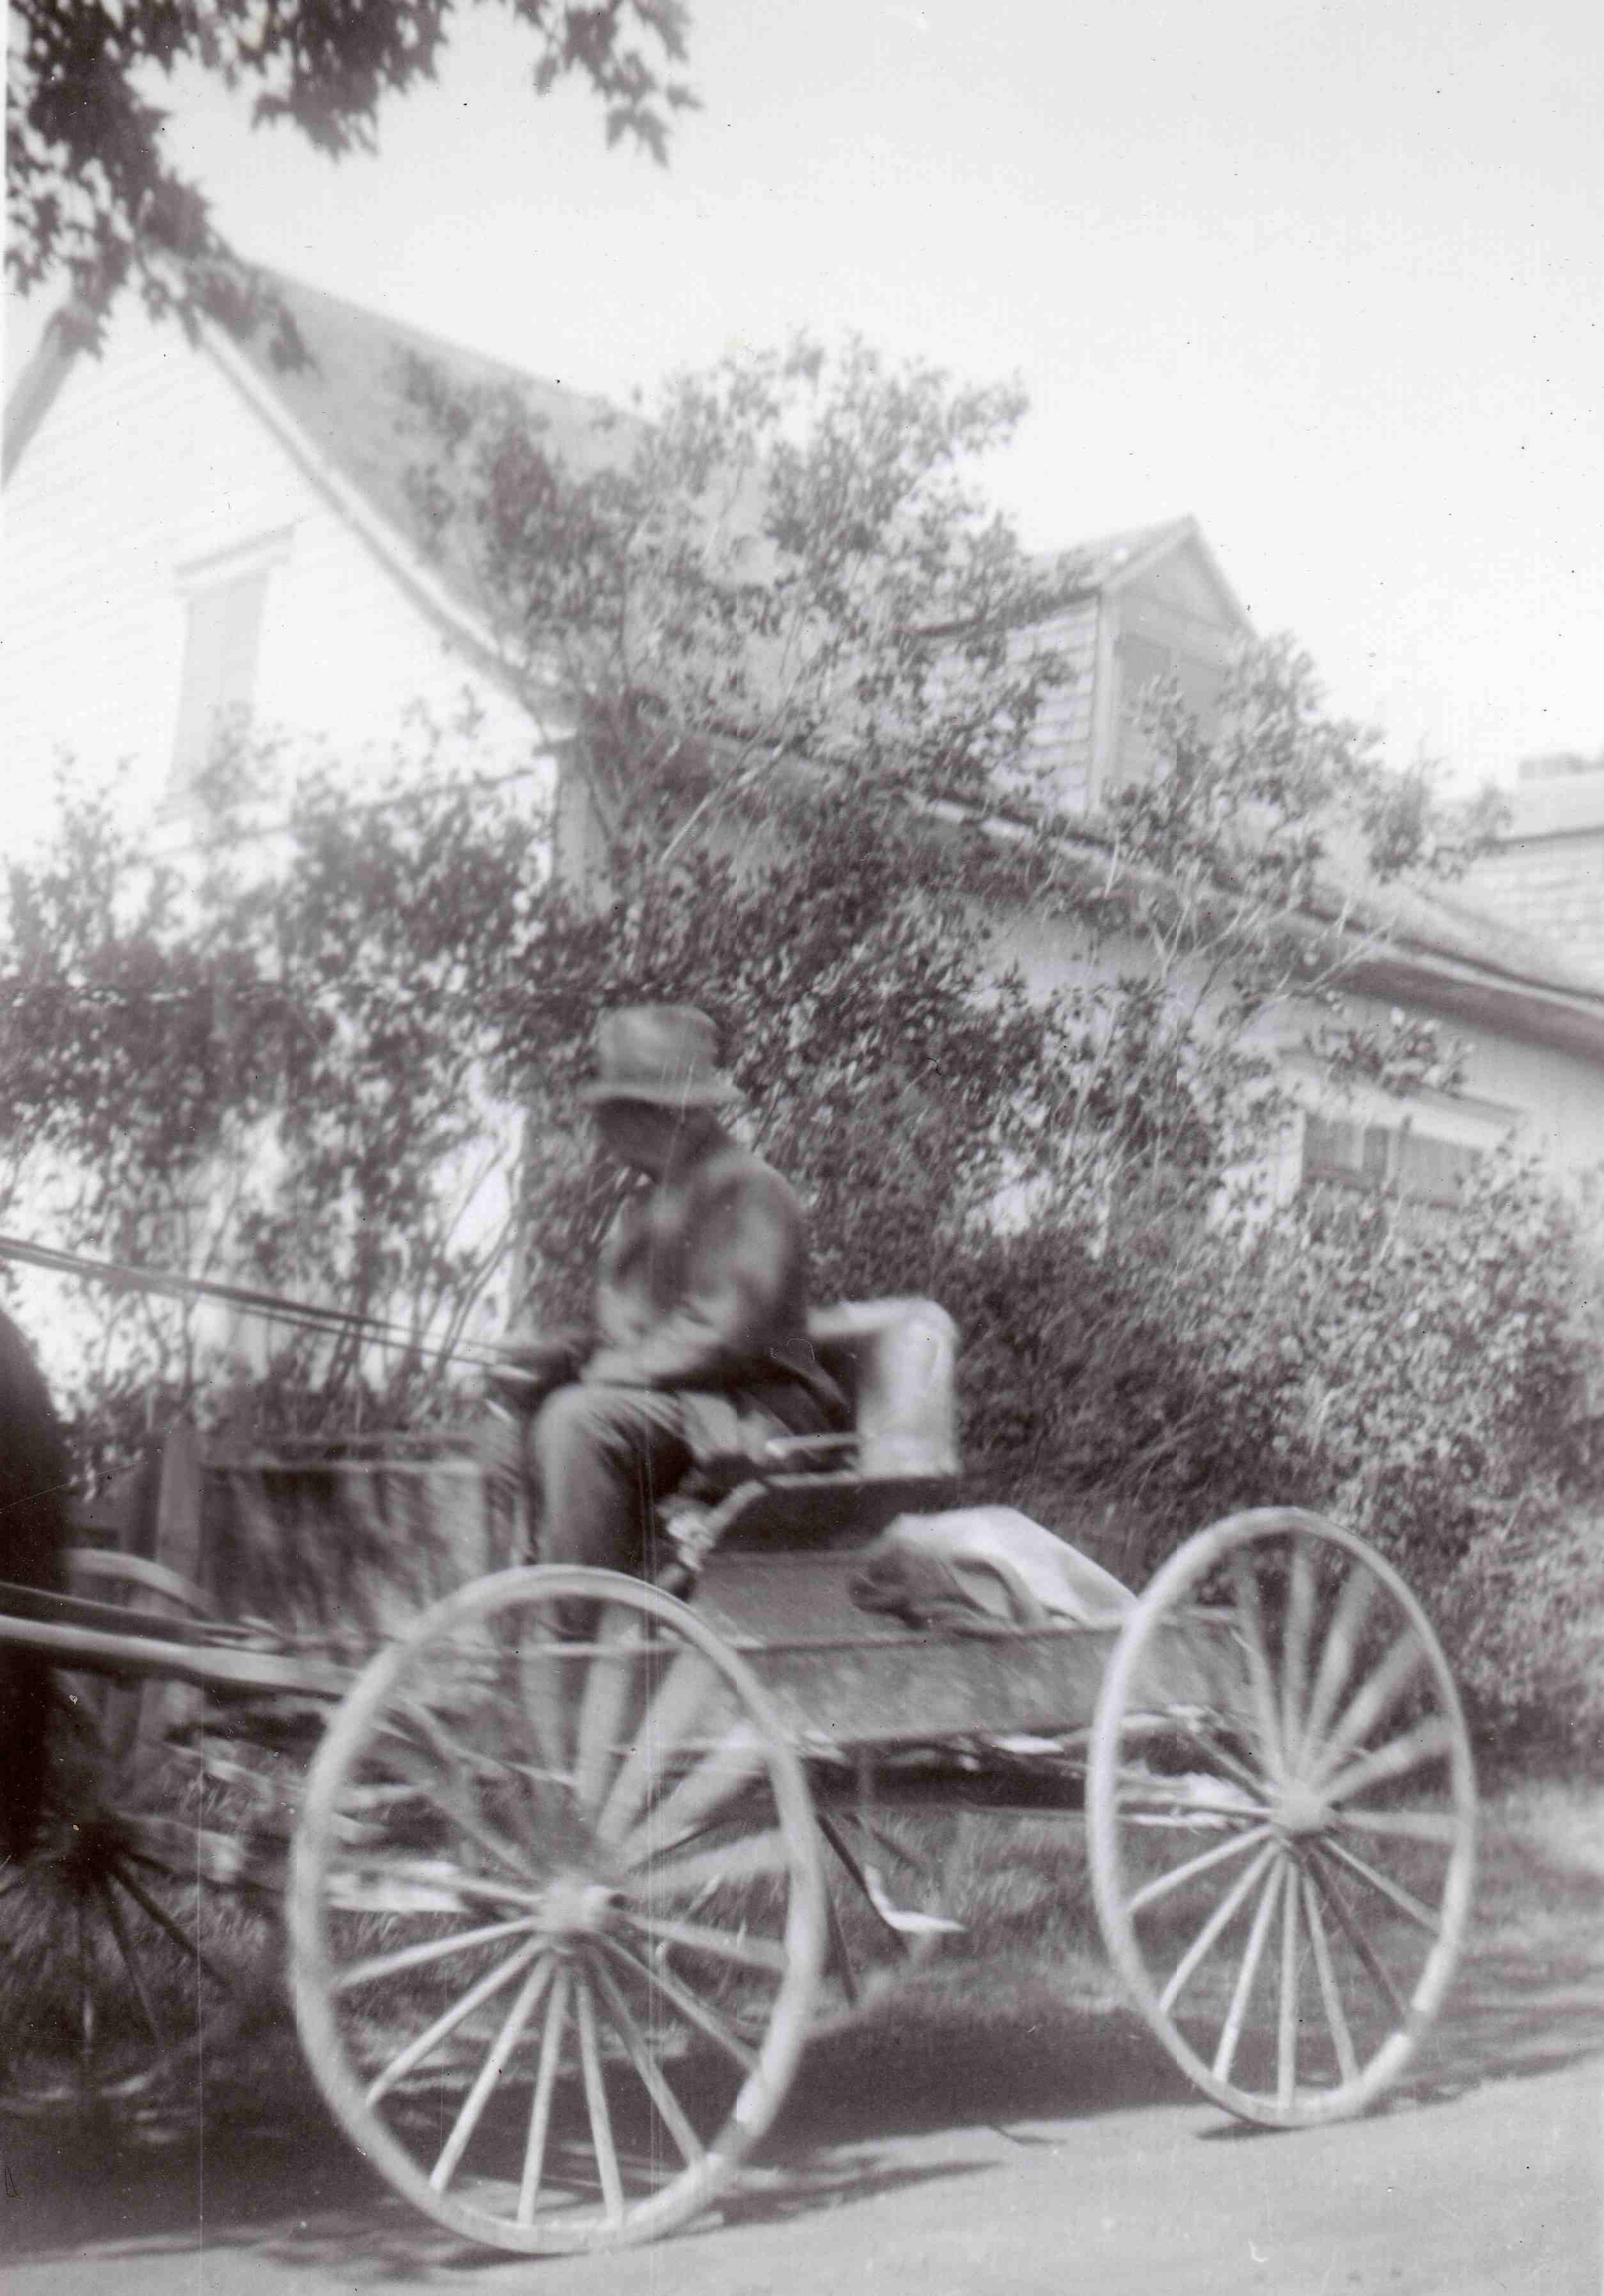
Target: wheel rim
x=556 y=1895
x=1282 y=1807
x=112 y=1924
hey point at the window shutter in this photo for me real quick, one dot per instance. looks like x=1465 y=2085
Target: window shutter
x=218 y=679
x=1422 y=1169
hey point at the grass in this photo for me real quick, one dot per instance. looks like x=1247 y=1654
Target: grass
x=1530 y=1989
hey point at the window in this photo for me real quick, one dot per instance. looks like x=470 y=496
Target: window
x=1144 y=662
x=225 y=600
x=1424 y=1170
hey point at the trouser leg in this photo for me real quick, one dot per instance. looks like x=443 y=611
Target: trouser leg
x=604 y=1457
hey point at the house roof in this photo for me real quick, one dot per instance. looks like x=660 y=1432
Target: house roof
x=347 y=406
x=1555 y=805
x=349 y=399
x=1117 y=561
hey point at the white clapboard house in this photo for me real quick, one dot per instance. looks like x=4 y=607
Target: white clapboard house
x=196 y=535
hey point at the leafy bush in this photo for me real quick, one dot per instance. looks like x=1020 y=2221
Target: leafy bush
x=1437 y=1388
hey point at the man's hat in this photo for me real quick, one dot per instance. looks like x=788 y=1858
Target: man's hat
x=660 y=1054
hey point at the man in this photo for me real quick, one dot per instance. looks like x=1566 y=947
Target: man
x=35 y=1474
x=701 y=1346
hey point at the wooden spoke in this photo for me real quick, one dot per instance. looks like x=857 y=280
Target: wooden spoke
x=423 y=1886
x=522 y=1943
x=1208 y=1740
x=609 y=1678
x=1341 y=1649
x=169 y=1926
x=1152 y=1891
x=418 y=1957
x=753 y=1856
x=1406 y=1903
x=130 y=1959
x=1428 y=1742
x=1407 y=1824
x=1201 y=1944
x=429 y=2039
x=639 y=2050
x=540 y=2106
x=1364 y=1712
x=663 y=1729
x=1380 y=1694
x=745 y=1952
x=1244 y=1580
x=1147 y=1798
x=455 y=1754
x=595 y=2100
x=1262 y=1915
x=496 y=2063
x=1369 y=1960
x=691 y=2006
x=1286 y=2038
x=1295 y=1650
x=722 y=1773
x=1348 y=2063
x=542 y=1700
x=450 y=1796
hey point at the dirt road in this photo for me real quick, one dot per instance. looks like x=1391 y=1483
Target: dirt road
x=989 y=2150
x=995 y=2127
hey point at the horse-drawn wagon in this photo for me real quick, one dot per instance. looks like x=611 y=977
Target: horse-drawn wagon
x=558 y=1915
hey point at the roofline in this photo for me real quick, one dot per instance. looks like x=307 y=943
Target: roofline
x=1168 y=537
x=1177 y=533
x=35 y=390
x=399 y=557
x=1563 y=1018
x=1567 y=1019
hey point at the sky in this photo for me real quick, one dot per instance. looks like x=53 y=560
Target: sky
x=1329 y=278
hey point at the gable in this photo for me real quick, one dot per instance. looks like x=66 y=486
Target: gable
x=151 y=482
x=349 y=400
x=1182 y=590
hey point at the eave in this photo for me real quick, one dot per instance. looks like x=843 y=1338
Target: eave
x=1403 y=971
x=1457 y=991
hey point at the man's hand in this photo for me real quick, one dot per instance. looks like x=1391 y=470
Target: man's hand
x=534 y=1364
x=613 y=1367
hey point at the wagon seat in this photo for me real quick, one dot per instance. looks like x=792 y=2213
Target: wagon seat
x=823 y=1497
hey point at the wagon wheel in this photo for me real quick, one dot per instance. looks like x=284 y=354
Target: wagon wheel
x=556 y=1915
x=107 y=1930
x=1282 y=1807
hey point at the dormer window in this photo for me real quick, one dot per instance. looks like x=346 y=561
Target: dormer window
x=224 y=598
x=1199 y=669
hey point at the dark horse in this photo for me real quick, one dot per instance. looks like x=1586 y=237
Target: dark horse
x=35 y=1474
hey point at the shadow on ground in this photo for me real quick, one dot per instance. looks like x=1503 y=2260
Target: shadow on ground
x=974 y=2044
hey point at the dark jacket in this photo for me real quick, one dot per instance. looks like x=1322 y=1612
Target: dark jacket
x=703 y=1284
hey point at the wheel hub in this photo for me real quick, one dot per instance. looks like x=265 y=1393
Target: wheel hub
x=1299 y=1810
x=575 y=1905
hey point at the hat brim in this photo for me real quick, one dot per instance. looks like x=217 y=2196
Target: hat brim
x=716 y=1093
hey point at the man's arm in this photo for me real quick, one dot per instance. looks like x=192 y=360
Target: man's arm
x=743 y=1262
x=534 y=1363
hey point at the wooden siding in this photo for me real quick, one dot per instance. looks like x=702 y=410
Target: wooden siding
x=1062 y=741
x=1551 y=1100
x=150 y=465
